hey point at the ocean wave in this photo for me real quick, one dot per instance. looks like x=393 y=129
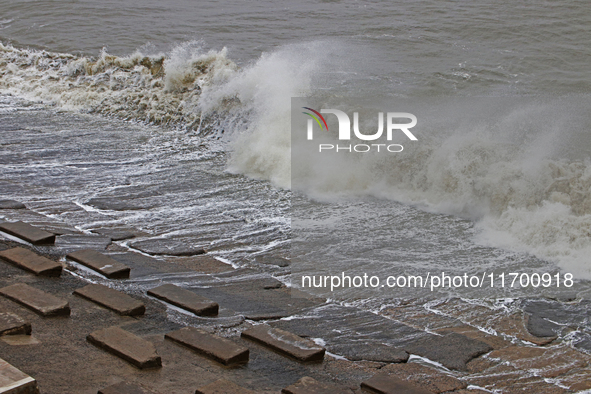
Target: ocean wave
x=158 y=89
x=522 y=192
x=522 y=196
x=525 y=180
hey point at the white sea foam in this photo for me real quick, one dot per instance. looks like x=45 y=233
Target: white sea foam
x=262 y=146
x=160 y=89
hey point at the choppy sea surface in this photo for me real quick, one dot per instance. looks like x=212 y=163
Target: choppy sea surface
x=184 y=109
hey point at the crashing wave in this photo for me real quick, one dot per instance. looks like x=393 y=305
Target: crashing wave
x=161 y=89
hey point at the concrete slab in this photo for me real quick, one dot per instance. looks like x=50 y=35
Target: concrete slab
x=117 y=203
x=112 y=299
x=452 y=350
x=142 y=265
x=11 y=204
x=203 y=263
x=247 y=298
x=223 y=386
x=39 y=301
x=14 y=381
x=375 y=352
x=540 y=327
x=308 y=385
x=386 y=384
x=127 y=346
x=30 y=261
x=217 y=348
x=185 y=299
x=124 y=388
x=285 y=342
x=265 y=316
x=31 y=234
x=351 y=338
x=169 y=247
x=73 y=242
x=117 y=234
x=97 y=261
x=11 y=324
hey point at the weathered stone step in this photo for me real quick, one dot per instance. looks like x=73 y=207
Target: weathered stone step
x=185 y=299
x=30 y=261
x=386 y=384
x=39 y=301
x=127 y=346
x=31 y=234
x=11 y=324
x=223 y=386
x=308 y=385
x=97 y=261
x=112 y=299
x=14 y=381
x=220 y=349
x=124 y=388
x=285 y=342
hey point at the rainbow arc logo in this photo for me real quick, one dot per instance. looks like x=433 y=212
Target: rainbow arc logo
x=318 y=115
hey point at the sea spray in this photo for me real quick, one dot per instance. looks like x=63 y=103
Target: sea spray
x=261 y=149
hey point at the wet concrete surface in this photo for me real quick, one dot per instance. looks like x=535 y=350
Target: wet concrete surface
x=359 y=343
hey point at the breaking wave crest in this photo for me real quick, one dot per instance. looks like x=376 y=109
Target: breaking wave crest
x=261 y=147
x=159 y=89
